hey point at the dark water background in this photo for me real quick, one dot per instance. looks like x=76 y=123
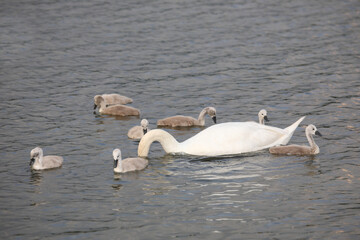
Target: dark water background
x=293 y=58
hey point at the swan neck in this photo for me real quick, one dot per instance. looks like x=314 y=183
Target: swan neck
x=167 y=141
x=102 y=106
x=313 y=146
x=40 y=159
x=119 y=166
x=261 y=120
x=201 y=117
x=38 y=163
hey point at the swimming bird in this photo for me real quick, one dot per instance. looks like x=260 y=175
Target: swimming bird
x=297 y=149
x=263 y=116
x=117 y=110
x=137 y=132
x=128 y=164
x=185 y=121
x=221 y=139
x=113 y=99
x=40 y=162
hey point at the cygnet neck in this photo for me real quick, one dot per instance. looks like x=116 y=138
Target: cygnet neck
x=201 y=118
x=313 y=146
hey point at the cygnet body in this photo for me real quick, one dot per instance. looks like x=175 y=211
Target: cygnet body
x=112 y=99
x=116 y=110
x=185 y=121
x=40 y=162
x=137 y=132
x=263 y=116
x=313 y=149
x=128 y=164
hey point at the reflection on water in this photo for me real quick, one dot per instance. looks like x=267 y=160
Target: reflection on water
x=117 y=187
x=35 y=177
x=128 y=176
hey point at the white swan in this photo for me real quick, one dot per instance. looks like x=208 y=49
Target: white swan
x=297 y=149
x=221 y=139
x=263 y=116
x=40 y=162
x=128 y=164
x=185 y=121
x=137 y=132
x=112 y=99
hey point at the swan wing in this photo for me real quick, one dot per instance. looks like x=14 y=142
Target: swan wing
x=133 y=164
x=121 y=110
x=177 y=121
x=51 y=161
x=136 y=132
x=114 y=98
x=232 y=138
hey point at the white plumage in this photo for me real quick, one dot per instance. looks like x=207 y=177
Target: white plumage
x=221 y=139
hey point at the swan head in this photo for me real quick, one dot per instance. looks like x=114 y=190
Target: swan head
x=312 y=130
x=97 y=100
x=116 y=156
x=263 y=116
x=144 y=124
x=211 y=111
x=35 y=153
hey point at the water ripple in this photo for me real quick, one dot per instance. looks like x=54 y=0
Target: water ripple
x=293 y=58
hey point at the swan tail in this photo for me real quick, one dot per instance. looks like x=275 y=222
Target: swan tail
x=291 y=129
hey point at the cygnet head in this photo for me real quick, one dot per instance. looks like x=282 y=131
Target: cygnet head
x=97 y=100
x=36 y=153
x=311 y=129
x=144 y=124
x=212 y=113
x=263 y=116
x=116 y=156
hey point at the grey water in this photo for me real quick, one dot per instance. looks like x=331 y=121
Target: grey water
x=293 y=58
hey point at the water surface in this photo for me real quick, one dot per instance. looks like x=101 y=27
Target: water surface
x=294 y=58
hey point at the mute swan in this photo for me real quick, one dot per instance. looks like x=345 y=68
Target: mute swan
x=263 y=116
x=138 y=132
x=221 y=139
x=39 y=162
x=185 y=121
x=112 y=99
x=128 y=164
x=118 y=110
x=297 y=149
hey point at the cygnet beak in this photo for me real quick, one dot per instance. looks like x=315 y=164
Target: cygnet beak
x=32 y=161
x=214 y=119
x=115 y=163
x=318 y=133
